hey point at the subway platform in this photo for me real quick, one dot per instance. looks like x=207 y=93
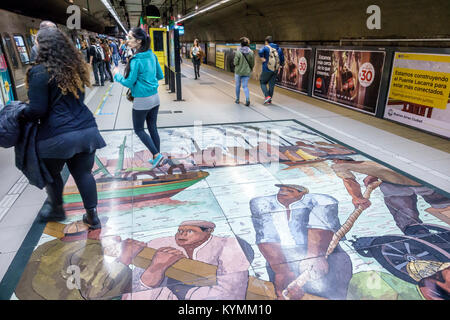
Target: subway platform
x=231 y=170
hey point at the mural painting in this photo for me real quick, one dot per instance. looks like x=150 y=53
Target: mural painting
x=267 y=210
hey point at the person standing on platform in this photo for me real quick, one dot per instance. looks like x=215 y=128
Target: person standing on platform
x=67 y=133
x=142 y=74
x=115 y=52
x=196 y=54
x=107 y=61
x=96 y=63
x=34 y=49
x=84 y=51
x=272 y=58
x=244 y=62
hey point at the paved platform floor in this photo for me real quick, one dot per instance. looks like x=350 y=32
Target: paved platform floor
x=231 y=167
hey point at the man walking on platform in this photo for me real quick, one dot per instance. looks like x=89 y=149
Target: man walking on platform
x=96 y=61
x=115 y=52
x=272 y=58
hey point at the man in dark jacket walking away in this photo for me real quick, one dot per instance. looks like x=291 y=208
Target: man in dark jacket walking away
x=272 y=57
x=96 y=62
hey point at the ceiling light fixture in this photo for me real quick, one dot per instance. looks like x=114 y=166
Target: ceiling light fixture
x=113 y=13
x=207 y=8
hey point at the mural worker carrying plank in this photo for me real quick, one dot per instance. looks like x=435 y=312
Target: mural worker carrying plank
x=293 y=231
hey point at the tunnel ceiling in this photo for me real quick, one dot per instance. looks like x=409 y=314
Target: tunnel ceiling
x=285 y=20
x=93 y=19
x=319 y=20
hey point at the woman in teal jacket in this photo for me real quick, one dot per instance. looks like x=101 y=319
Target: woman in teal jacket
x=142 y=74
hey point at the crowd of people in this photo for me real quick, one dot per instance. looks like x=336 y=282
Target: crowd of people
x=104 y=54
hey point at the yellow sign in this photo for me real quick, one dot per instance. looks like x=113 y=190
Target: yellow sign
x=158 y=43
x=426 y=88
x=7 y=86
x=422 y=57
x=220 y=60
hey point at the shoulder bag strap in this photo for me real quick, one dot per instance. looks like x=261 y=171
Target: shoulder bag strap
x=246 y=60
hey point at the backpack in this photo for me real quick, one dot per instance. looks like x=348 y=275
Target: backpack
x=99 y=54
x=273 y=64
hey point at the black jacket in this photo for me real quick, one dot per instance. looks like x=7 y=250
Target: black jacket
x=56 y=113
x=22 y=135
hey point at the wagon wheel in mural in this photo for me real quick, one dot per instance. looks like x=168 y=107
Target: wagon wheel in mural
x=436 y=234
x=395 y=252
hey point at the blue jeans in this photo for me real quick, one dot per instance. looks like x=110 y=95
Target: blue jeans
x=116 y=59
x=268 y=77
x=151 y=141
x=244 y=80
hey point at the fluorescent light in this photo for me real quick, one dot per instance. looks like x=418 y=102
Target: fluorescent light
x=207 y=8
x=113 y=13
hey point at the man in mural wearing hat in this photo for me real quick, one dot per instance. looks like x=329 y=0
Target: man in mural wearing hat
x=193 y=240
x=293 y=230
x=400 y=193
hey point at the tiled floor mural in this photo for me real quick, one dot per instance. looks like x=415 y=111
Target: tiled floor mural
x=268 y=210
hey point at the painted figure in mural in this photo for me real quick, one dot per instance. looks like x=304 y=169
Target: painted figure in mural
x=400 y=193
x=194 y=240
x=48 y=271
x=436 y=286
x=294 y=226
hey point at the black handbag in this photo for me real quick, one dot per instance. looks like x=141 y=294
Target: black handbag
x=129 y=96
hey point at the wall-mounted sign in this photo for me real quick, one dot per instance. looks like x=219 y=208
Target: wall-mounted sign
x=350 y=78
x=419 y=92
x=295 y=71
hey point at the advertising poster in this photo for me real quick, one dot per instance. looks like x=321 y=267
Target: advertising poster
x=6 y=92
x=225 y=56
x=294 y=73
x=172 y=48
x=350 y=78
x=419 y=92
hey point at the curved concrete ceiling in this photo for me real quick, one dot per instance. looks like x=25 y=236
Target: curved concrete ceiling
x=318 y=20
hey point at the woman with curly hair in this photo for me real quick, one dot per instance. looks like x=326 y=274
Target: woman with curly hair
x=67 y=133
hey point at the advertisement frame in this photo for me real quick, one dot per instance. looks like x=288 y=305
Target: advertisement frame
x=411 y=50
x=386 y=63
x=311 y=65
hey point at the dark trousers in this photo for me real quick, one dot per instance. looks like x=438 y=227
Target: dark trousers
x=151 y=141
x=402 y=202
x=98 y=69
x=196 y=63
x=80 y=167
x=107 y=67
x=268 y=77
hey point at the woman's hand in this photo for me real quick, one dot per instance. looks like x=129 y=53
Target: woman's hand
x=115 y=70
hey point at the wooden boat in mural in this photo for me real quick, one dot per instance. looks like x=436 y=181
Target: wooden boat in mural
x=116 y=192
x=125 y=186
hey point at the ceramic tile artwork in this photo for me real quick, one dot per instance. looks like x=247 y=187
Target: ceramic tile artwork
x=244 y=211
